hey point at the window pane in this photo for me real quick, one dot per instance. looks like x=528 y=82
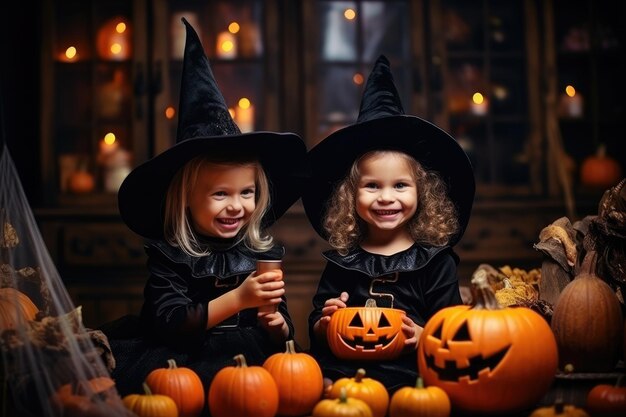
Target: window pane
x=385 y=30
x=338 y=33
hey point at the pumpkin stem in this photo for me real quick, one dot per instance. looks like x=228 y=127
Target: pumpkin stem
x=291 y=347
x=343 y=395
x=419 y=384
x=171 y=363
x=370 y=302
x=241 y=361
x=484 y=298
x=559 y=406
x=588 y=264
x=360 y=373
x=147 y=389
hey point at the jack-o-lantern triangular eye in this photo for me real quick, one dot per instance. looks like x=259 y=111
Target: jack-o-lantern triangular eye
x=356 y=321
x=383 y=322
x=462 y=334
x=437 y=332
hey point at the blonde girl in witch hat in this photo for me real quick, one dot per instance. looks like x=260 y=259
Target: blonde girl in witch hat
x=203 y=206
x=392 y=194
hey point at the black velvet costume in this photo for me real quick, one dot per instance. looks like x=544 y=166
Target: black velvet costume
x=174 y=316
x=421 y=280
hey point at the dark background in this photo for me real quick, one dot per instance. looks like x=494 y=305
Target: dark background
x=20 y=34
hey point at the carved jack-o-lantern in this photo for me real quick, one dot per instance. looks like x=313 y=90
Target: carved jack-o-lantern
x=368 y=332
x=488 y=359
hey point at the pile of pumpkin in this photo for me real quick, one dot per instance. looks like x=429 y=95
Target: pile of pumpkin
x=288 y=384
x=479 y=359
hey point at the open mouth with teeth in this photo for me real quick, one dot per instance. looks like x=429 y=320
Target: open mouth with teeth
x=359 y=344
x=386 y=212
x=228 y=221
x=450 y=372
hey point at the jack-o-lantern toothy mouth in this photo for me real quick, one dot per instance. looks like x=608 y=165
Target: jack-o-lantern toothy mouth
x=476 y=364
x=359 y=344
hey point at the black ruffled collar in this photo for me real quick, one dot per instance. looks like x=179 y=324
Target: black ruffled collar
x=228 y=257
x=376 y=265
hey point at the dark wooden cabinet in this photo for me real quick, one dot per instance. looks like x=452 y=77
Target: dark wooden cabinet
x=302 y=66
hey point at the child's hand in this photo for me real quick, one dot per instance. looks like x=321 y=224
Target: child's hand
x=412 y=332
x=264 y=289
x=330 y=306
x=275 y=324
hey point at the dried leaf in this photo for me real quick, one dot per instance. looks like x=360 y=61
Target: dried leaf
x=558 y=241
x=8 y=238
x=553 y=279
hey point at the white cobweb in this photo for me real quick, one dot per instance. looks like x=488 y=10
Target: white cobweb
x=51 y=364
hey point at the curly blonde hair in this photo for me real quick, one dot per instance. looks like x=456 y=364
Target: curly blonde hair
x=435 y=221
x=178 y=230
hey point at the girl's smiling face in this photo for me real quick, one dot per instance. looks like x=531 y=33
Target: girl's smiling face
x=387 y=192
x=222 y=199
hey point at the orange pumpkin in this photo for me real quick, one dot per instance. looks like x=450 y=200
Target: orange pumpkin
x=182 y=385
x=150 y=405
x=16 y=308
x=606 y=400
x=419 y=401
x=600 y=170
x=369 y=390
x=559 y=409
x=81 y=181
x=243 y=391
x=481 y=355
x=366 y=333
x=343 y=406
x=289 y=369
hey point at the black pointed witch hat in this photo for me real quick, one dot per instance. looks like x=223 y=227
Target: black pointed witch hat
x=383 y=124
x=204 y=127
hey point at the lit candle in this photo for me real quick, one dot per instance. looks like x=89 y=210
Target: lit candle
x=226 y=45
x=479 y=104
x=244 y=115
x=108 y=145
x=571 y=102
x=69 y=55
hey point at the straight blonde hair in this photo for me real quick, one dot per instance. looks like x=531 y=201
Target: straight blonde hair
x=178 y=229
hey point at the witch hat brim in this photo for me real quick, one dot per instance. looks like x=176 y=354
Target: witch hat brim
x=205 y=127
x=385 y=126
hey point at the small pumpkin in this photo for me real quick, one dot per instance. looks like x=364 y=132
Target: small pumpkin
x=559 y=409
x=482 y=355
x=419 y=401
x=181 y=384
x=606 y=400
x=289 y=369
x=366 y=333
x=243 y=391
x=150 y=405
x=81 y=181
x=587 y=322
x=600 y=170
x=369 y=390
x=343 y=406
x=16 y=308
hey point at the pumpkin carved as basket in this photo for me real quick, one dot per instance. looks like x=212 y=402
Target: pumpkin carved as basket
x=366 y=333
